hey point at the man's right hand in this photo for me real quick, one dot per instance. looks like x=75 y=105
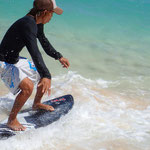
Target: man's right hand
x=45 y=85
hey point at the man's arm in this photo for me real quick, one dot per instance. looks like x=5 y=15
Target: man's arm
x=48 y=48
x=29 y=38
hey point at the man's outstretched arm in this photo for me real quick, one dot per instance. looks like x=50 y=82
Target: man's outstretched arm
x=48 y=48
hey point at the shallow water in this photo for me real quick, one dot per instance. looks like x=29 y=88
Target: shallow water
x=99 y=120
x=107 y=44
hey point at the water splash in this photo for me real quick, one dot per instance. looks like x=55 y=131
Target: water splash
x=99 y=120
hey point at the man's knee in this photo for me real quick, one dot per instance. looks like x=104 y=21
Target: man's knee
x=26 y=87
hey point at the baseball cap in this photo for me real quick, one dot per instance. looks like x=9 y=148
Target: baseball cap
x=56 y=9
x=47 y=5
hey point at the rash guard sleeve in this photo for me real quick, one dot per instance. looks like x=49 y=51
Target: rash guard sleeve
x=29 y=36
x=48 y=48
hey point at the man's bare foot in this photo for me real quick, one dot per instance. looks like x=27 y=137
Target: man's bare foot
x=15 y=125
x=43 y=106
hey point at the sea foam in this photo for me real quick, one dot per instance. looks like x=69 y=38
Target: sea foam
x=98 y=120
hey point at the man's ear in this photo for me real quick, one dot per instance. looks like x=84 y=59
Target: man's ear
x=43 y=13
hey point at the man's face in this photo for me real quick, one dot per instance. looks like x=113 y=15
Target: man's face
x=47 y=17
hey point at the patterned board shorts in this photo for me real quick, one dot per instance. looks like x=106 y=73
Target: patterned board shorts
x=13 y=74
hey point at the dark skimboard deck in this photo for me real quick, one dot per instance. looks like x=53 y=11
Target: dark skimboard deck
x=36 y=119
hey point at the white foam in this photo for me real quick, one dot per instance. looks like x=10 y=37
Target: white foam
x=95 y=121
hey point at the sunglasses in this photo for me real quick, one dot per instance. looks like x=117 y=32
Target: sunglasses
x=40 y=10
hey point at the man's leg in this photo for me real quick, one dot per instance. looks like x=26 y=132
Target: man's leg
x=37 y=101
x=26 y=87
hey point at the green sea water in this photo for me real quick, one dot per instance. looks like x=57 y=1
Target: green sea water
x=105 y=39
x=108 y=45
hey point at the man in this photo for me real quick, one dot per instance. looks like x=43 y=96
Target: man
x=18 y=73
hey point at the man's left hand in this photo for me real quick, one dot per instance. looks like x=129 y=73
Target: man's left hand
x=64 y=62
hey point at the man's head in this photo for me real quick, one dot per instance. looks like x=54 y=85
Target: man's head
x=43 y=10
x=49 y=5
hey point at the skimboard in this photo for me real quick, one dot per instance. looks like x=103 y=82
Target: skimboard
x=36 y=119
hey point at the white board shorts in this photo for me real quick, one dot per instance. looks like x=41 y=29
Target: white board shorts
x=13 y=74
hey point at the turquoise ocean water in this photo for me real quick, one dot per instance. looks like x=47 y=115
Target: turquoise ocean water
x=108 y=45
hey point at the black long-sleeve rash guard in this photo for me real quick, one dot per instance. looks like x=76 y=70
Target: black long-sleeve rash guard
x=25 y=32
x=48 y=48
